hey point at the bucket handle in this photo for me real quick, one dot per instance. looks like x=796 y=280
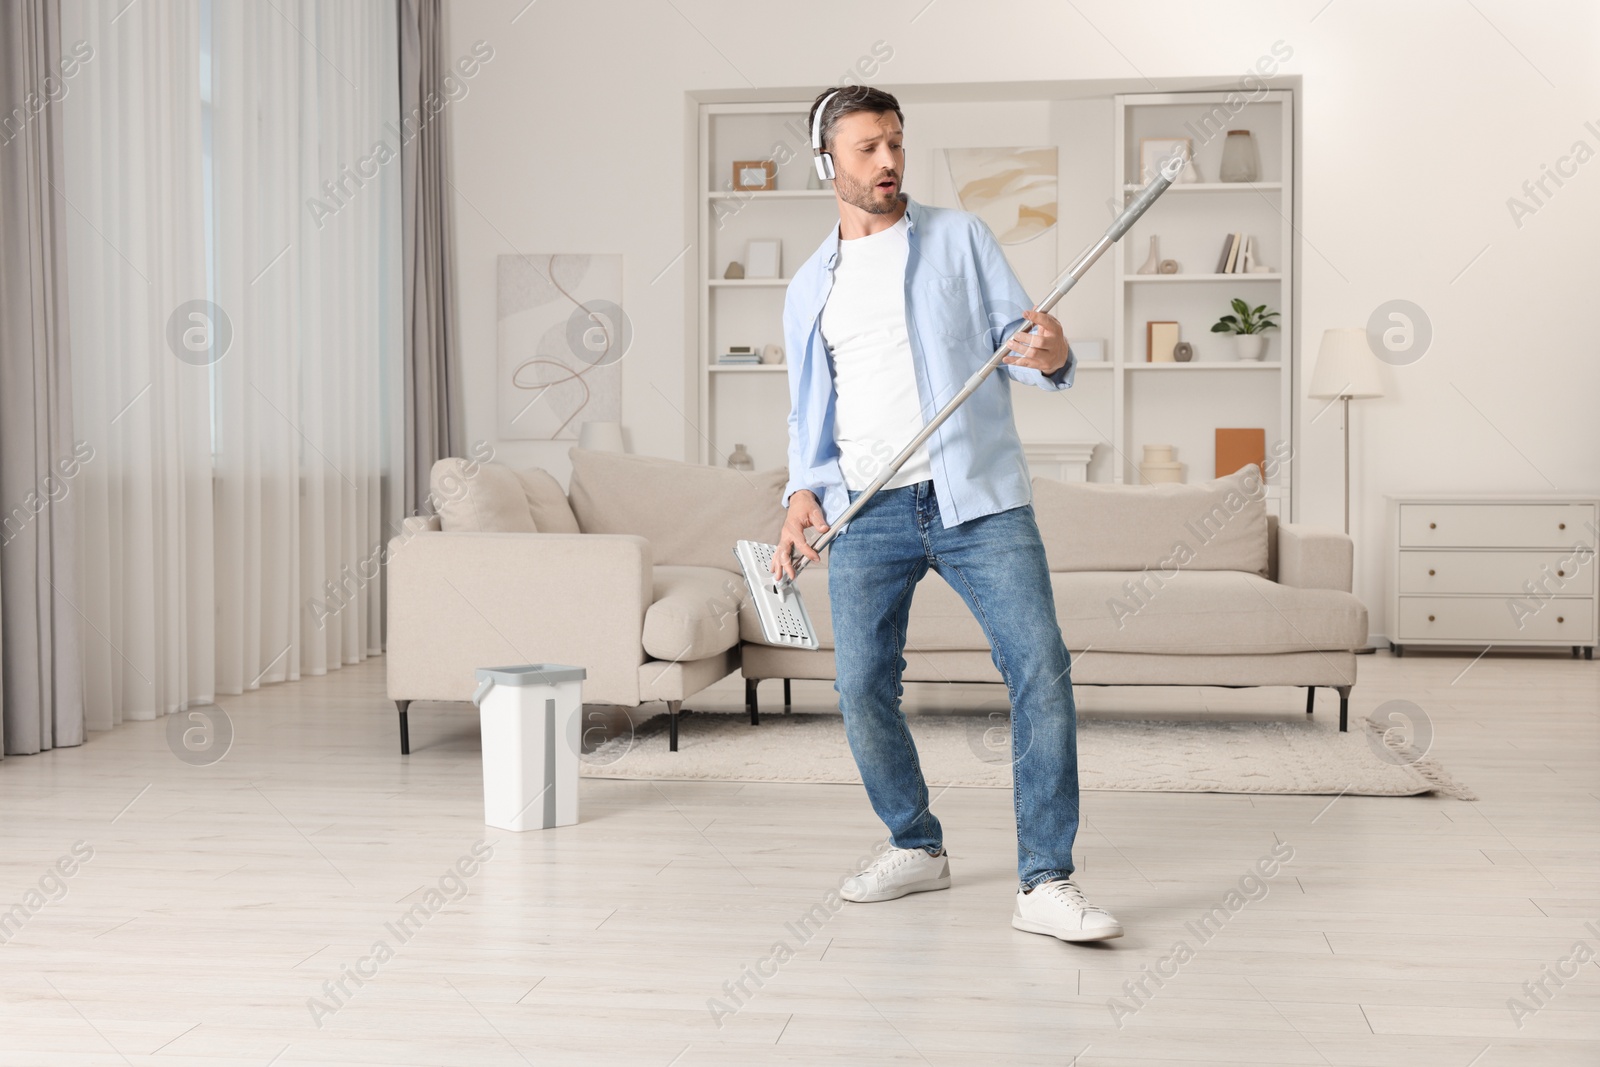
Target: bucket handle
x=483 y=691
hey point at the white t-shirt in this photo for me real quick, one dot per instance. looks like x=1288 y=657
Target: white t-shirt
x=877 y=409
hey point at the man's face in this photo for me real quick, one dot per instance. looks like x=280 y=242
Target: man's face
x=869 y=163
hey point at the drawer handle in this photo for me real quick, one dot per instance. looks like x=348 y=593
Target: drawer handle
x=1430 y=572
x=1560 y=618
x=1561 y=526
x=1430 y=618
x=1561 y=574
x=1433 y=526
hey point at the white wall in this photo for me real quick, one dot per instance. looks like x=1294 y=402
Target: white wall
x=1420 y=119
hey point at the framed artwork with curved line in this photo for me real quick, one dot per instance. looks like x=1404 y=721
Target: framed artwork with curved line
x=561 y=338
x=1015 y=191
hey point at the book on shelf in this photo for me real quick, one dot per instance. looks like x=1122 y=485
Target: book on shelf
x=737 y=359
x=1235 y=254
x=1239 y=448
x=1227 y=249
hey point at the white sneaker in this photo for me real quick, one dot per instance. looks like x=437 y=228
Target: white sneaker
x=1058 y=908
x=897 y=872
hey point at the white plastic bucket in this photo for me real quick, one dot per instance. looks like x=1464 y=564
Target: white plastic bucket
x=532 y=731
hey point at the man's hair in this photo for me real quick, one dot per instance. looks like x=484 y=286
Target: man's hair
x=851 y=98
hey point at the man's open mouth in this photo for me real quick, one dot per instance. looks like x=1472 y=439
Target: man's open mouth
x=887 y=183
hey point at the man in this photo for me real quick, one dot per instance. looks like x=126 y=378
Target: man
x=884 y=323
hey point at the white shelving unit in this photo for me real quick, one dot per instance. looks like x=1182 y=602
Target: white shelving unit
x=746 y=404
x=1123 y=401
x=1191 y=220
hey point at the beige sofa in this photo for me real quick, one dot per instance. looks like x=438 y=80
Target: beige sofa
x=631 y=575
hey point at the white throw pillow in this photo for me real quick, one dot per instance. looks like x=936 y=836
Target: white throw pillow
x=475 y=497
x=547 y=502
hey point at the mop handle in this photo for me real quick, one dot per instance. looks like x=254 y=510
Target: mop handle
x=1080 y=267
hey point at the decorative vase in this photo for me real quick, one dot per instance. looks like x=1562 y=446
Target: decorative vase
x=1238 y=158
x=1152 y=264
x=740 y=460
x=1250 y=346
x=1159 y=466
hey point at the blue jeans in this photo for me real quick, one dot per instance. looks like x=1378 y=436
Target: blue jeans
x=997 y=564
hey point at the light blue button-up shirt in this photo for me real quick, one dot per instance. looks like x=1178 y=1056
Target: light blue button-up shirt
x=962 y=302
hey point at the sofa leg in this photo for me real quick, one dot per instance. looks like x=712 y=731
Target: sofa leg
x=1311 y=699
x=672 y=724
x=1344 y=708
x=786 y=693
x=750 y=701
x=405 y=728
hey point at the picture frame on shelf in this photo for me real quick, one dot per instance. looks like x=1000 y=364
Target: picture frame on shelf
x=754 y=175
x=1160 y=338
x=763 y=258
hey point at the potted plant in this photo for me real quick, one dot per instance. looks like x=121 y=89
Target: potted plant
x=1249 y=327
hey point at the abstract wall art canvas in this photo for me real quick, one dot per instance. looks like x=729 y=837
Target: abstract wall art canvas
x=1014 y=191
x=562 y=335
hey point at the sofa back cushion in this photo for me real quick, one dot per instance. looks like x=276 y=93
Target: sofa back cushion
x=691 y=514
x=472 y=496
x=476 y=497
x=547 y=502
x=1216 y=526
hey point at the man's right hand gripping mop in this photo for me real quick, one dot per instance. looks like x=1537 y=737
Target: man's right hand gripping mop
x=783 y=615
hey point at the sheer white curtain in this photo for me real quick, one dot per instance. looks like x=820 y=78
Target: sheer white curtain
x=234 y=527
x=136 y=253
x=307 y=205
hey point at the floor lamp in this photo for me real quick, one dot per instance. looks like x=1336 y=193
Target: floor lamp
x=1346 y=370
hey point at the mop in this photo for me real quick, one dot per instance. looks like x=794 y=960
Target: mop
x=784 y=619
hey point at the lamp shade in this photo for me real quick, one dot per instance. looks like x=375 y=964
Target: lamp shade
x=602 y=436
x=1345 y=366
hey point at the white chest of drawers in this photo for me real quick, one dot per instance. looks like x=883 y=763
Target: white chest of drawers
x=1493 y=570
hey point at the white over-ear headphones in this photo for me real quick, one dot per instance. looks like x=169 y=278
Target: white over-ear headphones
x=823 y=160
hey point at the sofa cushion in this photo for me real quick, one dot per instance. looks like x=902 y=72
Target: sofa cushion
x=547 y=502
x=1204 y=613
x=694 y=612
x=1212 y=526
x=1198 y=613
x=475 y=497
x=691 y=513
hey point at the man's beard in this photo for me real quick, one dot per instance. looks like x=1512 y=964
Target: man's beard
x=865 y=196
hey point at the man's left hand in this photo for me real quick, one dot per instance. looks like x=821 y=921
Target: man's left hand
x=1044 y=349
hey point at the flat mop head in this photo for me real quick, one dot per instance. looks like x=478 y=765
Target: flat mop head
x=783 y=616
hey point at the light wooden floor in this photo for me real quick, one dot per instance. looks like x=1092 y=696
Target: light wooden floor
x=220 y=899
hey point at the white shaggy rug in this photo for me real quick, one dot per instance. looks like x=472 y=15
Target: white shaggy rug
x=972 y=750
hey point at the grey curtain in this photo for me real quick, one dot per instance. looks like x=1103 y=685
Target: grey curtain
x=434 y=414
x=41 y=694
